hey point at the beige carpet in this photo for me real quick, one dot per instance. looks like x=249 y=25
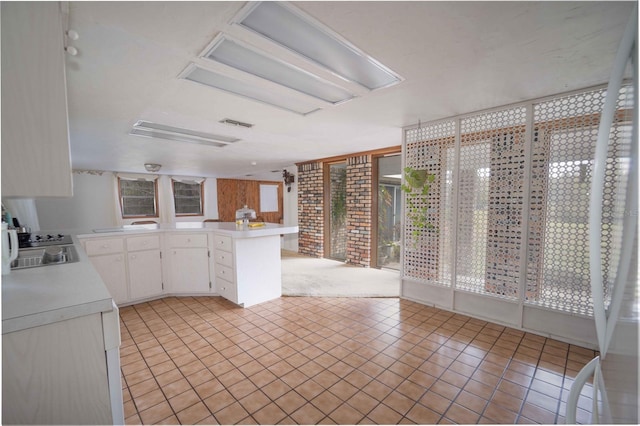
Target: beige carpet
x=308 y=276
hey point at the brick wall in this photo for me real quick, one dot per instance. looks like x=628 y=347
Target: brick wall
x=359 y=180
x=310 y=210
x=358 y=202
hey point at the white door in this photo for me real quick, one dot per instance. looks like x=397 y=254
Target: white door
x=145 y=274
x=189 y=270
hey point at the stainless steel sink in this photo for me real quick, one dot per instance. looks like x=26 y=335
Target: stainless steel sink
x=45 y=256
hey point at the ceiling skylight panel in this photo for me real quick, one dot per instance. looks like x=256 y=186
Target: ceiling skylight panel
x=301 y=34
x=247 y=90
x=243 y=58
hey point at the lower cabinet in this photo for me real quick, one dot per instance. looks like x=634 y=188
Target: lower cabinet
x=248 y=270
x=145 y=266
x=108 y=257
x=58 y=374
x=225 y=267
x=113 y=272
x=188 y=258
x=145 y=274
x=138 y=267
x=189 y=270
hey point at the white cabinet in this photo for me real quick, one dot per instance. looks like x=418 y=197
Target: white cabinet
x=145 y=266
x=225 y=267
x=35 y=137
x=56 y=374
x=112 y=270
x=107 y=256
x=188 y=263
x=242 y=266
x=131 y=267
x=248 y=270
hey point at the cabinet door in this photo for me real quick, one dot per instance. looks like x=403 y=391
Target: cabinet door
x=35 y=135
x=112 y=271
x=189 y=270
x=145 y=274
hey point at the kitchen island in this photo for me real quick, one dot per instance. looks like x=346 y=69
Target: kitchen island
x=141 y=262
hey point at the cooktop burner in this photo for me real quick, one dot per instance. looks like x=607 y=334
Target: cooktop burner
x=40 y=240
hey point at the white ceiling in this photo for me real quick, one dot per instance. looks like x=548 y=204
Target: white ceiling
x=454 y=57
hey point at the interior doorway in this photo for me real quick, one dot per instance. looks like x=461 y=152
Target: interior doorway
x=388 y=211
x=336 y=211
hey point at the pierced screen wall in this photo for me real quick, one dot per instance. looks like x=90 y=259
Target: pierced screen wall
x=425 y=254
x=511 y=201
x=490 y=197
x=566 y=131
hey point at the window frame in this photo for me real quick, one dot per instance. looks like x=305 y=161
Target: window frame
x=155 y=201
x=173 y=194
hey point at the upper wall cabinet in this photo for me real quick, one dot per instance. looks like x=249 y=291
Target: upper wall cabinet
x=36 y=158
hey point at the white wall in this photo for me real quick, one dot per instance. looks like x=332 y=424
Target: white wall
x=92 y=205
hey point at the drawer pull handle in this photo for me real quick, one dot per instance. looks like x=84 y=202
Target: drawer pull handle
x=105 y=246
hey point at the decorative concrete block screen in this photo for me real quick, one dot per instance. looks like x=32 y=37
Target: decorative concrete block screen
x=509 y=202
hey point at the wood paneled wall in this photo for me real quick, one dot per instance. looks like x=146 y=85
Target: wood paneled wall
x=233 y=194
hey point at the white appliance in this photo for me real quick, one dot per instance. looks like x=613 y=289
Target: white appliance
x=9 y=247
x=615 y=370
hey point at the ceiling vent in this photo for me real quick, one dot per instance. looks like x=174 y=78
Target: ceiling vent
x=155 y=130
x=236 y=123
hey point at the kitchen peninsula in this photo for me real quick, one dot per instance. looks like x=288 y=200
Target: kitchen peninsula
x=141 y=262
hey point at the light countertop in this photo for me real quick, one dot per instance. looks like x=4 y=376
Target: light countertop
x=227 y=228
x=44 y=295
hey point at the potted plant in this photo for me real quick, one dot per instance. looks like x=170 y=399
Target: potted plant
x=416 y=186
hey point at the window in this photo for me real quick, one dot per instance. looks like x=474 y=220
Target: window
x=138 y=198
x=187 y=196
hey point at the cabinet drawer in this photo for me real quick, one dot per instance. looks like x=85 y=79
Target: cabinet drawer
x=104 y=246
x=187 y=240
x=224 y=258
x=148 y=242
x=224 y=272
x=227 y=290
x=223 y=242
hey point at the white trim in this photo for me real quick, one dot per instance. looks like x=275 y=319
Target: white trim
x=136 y=176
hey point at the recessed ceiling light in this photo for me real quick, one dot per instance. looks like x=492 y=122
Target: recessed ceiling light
x=239 y=56
x=302 y=34
x=155 y=130
x=216 y=80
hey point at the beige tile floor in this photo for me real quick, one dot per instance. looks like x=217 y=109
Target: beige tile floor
x=302 y=360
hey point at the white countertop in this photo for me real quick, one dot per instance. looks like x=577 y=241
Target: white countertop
x=44 y=295
x=228 y=228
